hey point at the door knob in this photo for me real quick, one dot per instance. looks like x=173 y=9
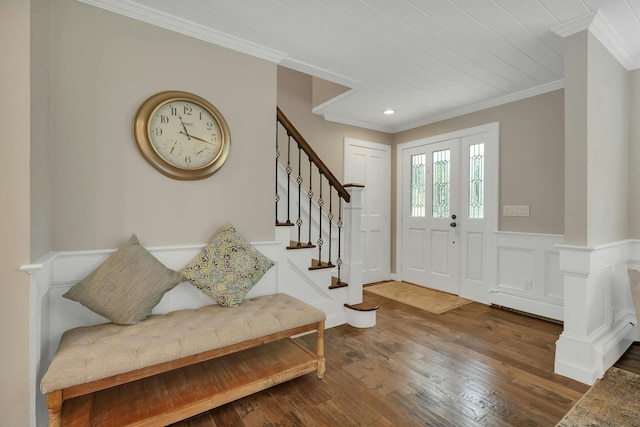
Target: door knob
x=453 y=224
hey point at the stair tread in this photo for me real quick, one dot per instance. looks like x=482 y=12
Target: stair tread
x=363 y=307
x=317 y=265
x=335 y=283
x=299 y=245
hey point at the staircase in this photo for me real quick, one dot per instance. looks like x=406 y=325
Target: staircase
x=318 y=220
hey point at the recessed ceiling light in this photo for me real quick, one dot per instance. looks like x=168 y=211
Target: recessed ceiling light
x=389 y=111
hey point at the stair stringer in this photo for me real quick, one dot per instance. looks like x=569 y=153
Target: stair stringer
x=300 y=285
x=312 y=286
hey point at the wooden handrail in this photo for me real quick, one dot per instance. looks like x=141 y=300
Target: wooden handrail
x=304 y=145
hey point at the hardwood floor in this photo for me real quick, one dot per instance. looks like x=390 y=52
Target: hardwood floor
x=472 y=366
x=630 y=360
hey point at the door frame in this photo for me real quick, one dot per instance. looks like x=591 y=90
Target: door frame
x=492 y=167
x=386 y=193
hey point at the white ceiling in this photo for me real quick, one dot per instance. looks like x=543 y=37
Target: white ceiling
x=427 y=59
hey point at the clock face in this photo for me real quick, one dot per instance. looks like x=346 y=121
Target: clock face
x=185 y=134
x=182 y=135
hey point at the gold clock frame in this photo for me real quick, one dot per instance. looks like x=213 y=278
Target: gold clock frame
x=143 y=138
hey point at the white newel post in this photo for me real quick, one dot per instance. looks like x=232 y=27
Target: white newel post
x=352 y=259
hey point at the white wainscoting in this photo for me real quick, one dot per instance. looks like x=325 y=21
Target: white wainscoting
x=528 y=274
x=51 y=314
x=600 y=321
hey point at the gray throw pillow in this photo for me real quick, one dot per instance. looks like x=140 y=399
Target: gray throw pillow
x=126 y=286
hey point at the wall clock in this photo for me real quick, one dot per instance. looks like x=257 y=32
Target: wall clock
x=181 y=135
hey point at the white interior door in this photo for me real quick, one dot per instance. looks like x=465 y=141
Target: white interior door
x=448 y=211
x=369 y=163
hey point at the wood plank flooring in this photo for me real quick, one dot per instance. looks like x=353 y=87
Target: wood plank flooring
x=630 y=360
x=472 y=366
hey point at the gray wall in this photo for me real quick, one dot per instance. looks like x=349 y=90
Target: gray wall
x=576 y=155
x=608 y=142
x=103 y=67
x=597 y=143
x=634 y=155
x=40 y=166
x=14 y=205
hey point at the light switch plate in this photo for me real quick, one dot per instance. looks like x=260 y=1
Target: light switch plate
x=511 y=210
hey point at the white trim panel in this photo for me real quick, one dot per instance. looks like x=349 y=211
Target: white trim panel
x=599 y=318
x=529 y=276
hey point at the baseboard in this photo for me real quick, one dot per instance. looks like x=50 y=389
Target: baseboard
x=614 y=345
x=543 y=309
x=586 y=360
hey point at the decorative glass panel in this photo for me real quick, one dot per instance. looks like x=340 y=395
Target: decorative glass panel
x=441 y=183
x=476 y=181
x=418 y=166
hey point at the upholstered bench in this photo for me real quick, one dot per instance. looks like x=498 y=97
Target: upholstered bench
x=176 y=365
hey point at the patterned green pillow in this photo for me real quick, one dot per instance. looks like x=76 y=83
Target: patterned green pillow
x=126 y=286
x=227 y=268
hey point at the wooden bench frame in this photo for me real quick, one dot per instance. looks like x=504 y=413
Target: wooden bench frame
x=308 y=363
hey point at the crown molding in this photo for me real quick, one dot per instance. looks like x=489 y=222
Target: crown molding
x=575 y=25
x=605 y=33
x=192 y=29
x=323 y=73
x=496 y=102
x=610 y=39
x=318 y=109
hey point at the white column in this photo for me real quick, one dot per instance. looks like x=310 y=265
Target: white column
x=599 y=323
x=38 y=338
x=351 y=269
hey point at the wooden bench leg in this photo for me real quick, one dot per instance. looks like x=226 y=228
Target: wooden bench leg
x=320 y=350
x=54 y=405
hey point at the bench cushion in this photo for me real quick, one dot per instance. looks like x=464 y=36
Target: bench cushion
x=91 y=353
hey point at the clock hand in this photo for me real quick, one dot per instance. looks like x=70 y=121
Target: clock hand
x=199 y=139
x=186 y=132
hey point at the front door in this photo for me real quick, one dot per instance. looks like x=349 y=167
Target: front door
x=430 y=227
x=448 y=211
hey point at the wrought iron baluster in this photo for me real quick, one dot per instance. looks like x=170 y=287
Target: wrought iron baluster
x=339 y=224
x=288 y=177
x=277 y=159
x=320 y=203
x=334 y=184
x=330 y=216
x=310 y=194
x=299 y=181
